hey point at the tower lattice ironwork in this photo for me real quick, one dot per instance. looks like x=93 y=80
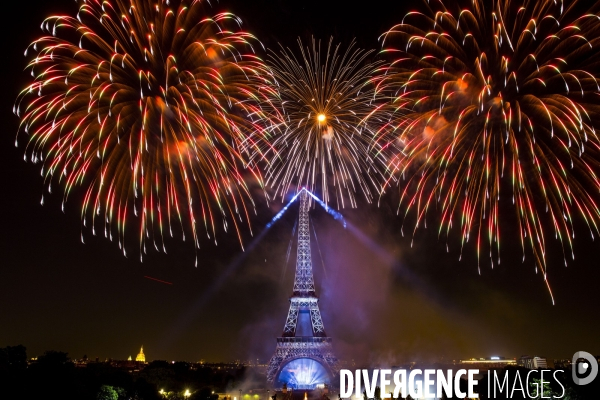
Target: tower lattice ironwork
x=293 y=345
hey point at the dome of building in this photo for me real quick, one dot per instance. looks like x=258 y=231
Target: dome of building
x=141 y=357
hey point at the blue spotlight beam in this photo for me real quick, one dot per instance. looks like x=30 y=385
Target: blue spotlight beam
x=336 y=215
x=283 y=210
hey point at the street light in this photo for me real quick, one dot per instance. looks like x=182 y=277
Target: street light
x=187 y=393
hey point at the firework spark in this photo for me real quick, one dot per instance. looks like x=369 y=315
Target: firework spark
x=144 y=105
x=500 y=103
x=327 y=125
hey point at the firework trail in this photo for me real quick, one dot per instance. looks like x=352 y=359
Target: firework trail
x=144 y=105
x=500 y=104
x=323 y=123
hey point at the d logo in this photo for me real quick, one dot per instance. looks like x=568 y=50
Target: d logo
x=582 y=368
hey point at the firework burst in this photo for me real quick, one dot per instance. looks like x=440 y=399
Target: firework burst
x=500 y=102
x=324 y=122
x=144 y=105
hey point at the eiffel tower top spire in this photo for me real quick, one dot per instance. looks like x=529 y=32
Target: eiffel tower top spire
x=304 y=284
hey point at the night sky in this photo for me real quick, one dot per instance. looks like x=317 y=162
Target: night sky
x=419 y=304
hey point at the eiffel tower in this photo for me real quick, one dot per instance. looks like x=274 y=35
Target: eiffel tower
x=304 y=356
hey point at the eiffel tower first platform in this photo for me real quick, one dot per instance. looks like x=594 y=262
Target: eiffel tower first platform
x=303 y=357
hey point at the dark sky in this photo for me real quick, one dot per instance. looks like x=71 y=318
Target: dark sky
x=57 y=293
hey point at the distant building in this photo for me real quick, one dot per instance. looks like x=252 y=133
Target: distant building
x=141 y=357
x=562 y=363
x=533 y=362
x=484 y=364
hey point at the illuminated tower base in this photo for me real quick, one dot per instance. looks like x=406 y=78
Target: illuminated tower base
x=303 y=357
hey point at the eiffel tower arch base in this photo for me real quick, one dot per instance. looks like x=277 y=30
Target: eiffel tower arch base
x=302 y=363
